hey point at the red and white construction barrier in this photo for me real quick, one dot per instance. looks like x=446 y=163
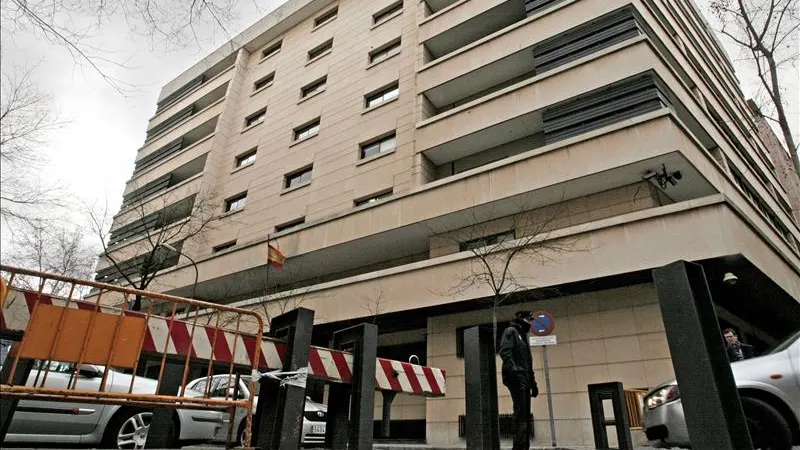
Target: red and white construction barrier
x=176 y=337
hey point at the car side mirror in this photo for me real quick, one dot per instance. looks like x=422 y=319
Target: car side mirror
x=87 y=371
x=232 y=394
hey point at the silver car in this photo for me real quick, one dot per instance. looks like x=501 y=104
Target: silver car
x=109 y=426
x=314 y=415
x=769 y=387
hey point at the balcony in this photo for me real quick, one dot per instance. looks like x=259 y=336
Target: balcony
x=206 y=117
x=461 y=23
x=176 y=147
x=209 y=80
x=185 y=114
x=577 y=42
x=138 y=192
x=139 y=223
x=515 y=42
x=466 y=22
x=542 y=111
x=133 y=268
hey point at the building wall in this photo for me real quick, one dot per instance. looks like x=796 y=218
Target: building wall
x=784 y=168
x=611 y=335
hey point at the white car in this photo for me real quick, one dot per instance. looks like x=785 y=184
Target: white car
x=107 y=426
x=315 y=415
x=769 y=387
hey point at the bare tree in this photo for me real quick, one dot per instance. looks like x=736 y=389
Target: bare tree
x=51 y=247
x=499 y=245
x=375 y=303
x=75 y=25
x=26 y=117
x=768 y=32
x=152 y=236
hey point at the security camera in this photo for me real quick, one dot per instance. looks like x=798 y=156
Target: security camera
x=649 y=175
x=730 y=279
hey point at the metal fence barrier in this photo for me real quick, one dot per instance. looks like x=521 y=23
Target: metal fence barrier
x=103 y=332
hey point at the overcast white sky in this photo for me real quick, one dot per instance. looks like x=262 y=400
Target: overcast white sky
x=92 y=156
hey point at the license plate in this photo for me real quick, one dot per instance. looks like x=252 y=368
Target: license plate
x=318 y=429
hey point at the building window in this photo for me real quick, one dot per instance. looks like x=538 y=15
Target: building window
x=385 y=51
x=261 y=83
x=387 y=13
x=297 y=178
x=320 y=50
x=314 y=87
x=382 y=96
x=246 y=158
x=326 y=17
x=306 y=131
x=236 y=202
x=373 y=198
x=290 y=224
x=255 y=118
x=486 y=241
x=224 y=246
x=272 y=50
x=382 y=145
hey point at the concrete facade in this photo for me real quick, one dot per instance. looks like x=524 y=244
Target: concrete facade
x=559 y=125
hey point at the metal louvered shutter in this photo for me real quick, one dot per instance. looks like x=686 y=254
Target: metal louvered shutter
x=585 y=39
x=158 y=155
x=603 y=107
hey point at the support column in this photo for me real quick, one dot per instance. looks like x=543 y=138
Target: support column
x=386 y=417
x=480 y=378
x=350 y=421
x=711 y=404
x=162 y=427
x=278 y=422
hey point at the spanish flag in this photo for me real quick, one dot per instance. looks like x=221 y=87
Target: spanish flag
x=275 y=258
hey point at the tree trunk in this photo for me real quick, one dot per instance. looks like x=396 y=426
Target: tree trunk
x=783 y=121
x=494 y=325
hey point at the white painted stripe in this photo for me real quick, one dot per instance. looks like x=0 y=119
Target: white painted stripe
x=405 y=386
x=242 y=355
x=200 y=342
x=158 y=331
x=331 y=371
x=271 y=355
x=437 y=373
x=381 y=378
x=423 y=380
x=15 y=311
x=171 y=345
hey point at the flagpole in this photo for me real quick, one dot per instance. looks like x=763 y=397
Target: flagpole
x=266 y=282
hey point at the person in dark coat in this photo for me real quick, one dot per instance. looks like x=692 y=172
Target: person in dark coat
x=518 y=377
x=737 y=351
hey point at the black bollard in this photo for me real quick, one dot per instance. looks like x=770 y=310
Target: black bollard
x=711 y=404
x=351 y=408
x=480 y=378
x=278 y=421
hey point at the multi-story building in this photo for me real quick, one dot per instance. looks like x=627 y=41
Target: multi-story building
x=383 y=146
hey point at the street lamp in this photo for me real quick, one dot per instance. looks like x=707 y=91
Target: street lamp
x=194 y=264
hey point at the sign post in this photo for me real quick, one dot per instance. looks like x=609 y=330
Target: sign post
x=542 y=326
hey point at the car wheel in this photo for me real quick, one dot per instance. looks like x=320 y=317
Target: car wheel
x=768 y=429
x=128 y=430
x=240 y=434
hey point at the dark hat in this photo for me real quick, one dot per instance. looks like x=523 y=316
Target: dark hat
x=523 y=315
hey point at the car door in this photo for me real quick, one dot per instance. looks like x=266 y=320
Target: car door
x=58 y=418
x=794 y=394
x=220 y=386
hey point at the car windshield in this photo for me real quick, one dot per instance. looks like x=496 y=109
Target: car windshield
x=785 y=344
